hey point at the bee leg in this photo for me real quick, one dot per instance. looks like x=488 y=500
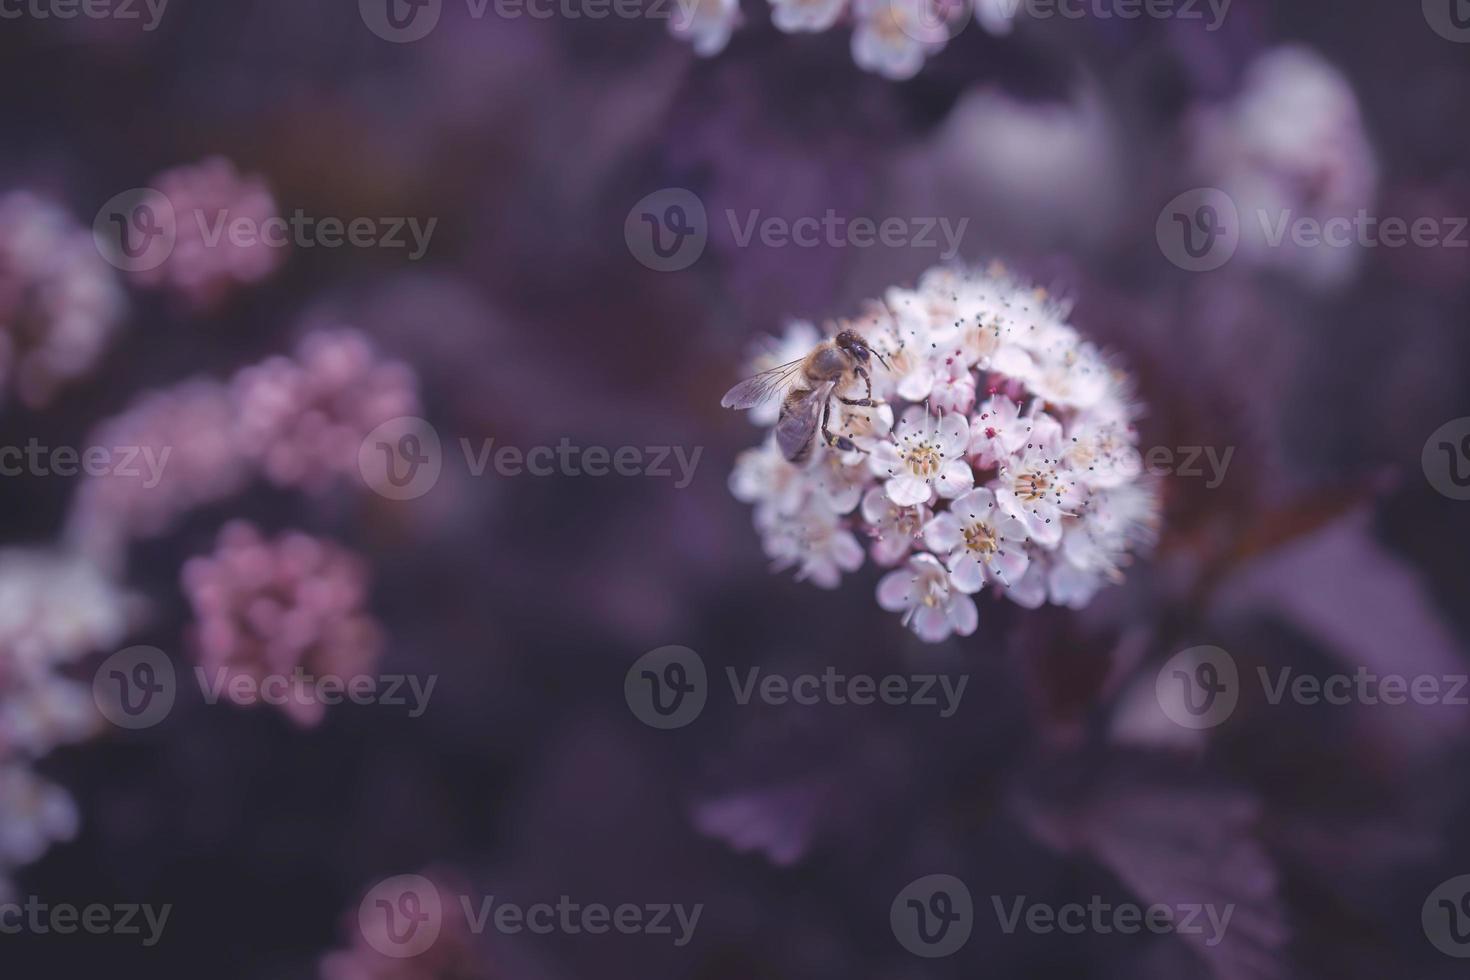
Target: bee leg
x=863 y=402
x=840 y=442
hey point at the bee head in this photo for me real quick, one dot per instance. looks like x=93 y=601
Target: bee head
x=855 y=345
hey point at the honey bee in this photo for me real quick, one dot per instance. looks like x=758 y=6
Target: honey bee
x=807 y=385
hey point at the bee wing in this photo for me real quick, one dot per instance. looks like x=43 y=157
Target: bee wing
x=752 y=391
x=798 y=424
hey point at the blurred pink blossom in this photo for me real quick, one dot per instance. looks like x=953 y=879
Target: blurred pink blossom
x=303 y=419
x=208 y=261
x=292 y=606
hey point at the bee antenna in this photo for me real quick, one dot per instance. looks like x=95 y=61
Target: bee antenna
x=881 y=360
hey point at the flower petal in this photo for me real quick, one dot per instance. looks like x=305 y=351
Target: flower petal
x=899 y=590
x=963 y=615
x=906 y=490
x=955 y=477
x=943 y=533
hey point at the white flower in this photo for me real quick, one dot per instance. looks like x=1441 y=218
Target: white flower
x=918 y=337
x=1037 y=487
x=1103 y=452
x=795 y=16
x=1291 y=145
x=928 y=458
x=839 y=484
x=865 y=425
x=814 y=541
x=1111 y=522
x=894 y=529
x=931 y=608
x=997 y=431
x=982 y=542
x=954 y=385
x=1060 y=505
x=1029 y=590
x=893 y=37
x=706 y=24
x=763 y=476
x=33 y=813
x=1074 y=376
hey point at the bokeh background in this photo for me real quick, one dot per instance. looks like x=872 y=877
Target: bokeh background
x=1326 y=547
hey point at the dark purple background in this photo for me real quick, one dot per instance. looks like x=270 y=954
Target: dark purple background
x=1325 y=548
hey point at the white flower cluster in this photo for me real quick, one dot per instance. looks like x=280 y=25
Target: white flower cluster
x=55 y=609
x=1000 y=451
x=890 y=37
